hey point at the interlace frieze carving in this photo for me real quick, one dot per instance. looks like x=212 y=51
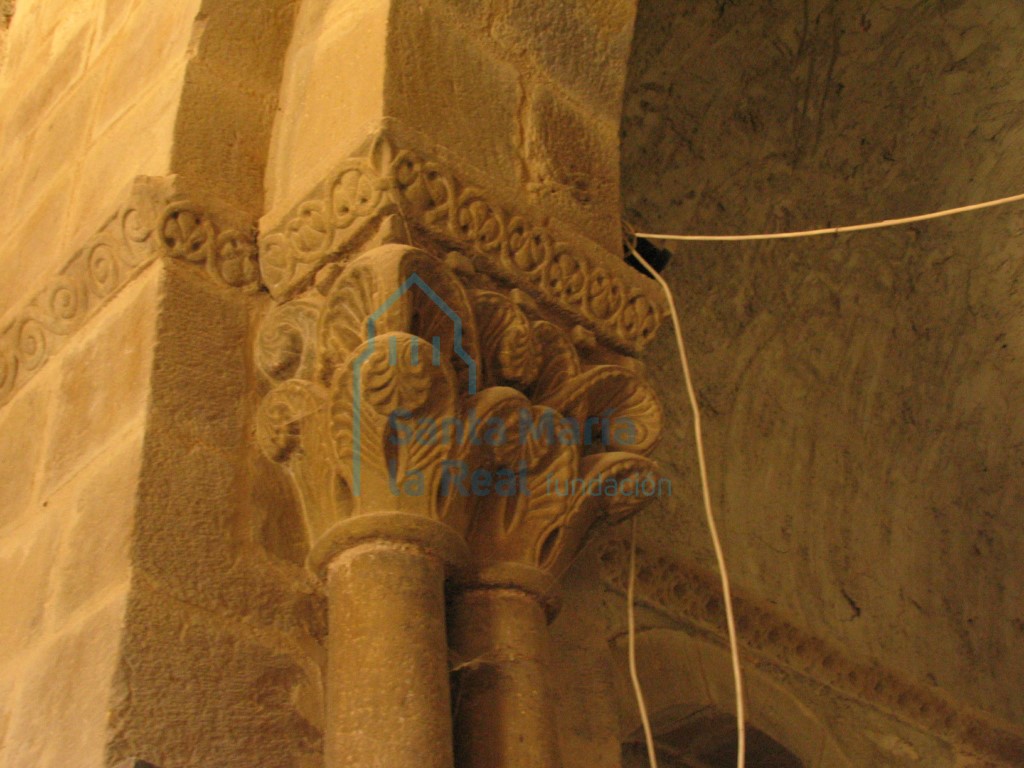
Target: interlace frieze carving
x=391 y=380
x=156 y=222
x=343 y=210
x=691 y=596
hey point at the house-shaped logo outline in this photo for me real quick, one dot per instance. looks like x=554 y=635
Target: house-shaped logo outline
x=371 y=328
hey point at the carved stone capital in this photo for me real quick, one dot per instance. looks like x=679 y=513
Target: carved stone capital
x=408 y=383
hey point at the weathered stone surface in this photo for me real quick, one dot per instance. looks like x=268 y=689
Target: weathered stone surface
x=861 y=397
x=332 y=93
x=198 y=687
x=112 y=74
x=448 y=72
x=474 y=63
x=572 y=164
x=583 y=675
x=26 y=560
x=230 y=99
x=39 y=231
x=8 y=705
x=387 y=689
x=136 y=144
x=152 y=45
x=194 y=474
x=62 y=133
x=94 y=557
x=581 y=45
x=50 y=84
x=115 y=14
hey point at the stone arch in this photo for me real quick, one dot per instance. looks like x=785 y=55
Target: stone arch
x=688 y=688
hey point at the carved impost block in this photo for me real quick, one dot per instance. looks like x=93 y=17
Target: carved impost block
x=564 y=271
x=408 y=386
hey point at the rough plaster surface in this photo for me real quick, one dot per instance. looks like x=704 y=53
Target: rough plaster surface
x=861 y=395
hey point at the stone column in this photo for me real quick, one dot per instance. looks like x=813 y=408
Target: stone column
x=387 y=669
x=346 y=364
x=504 y=711
x=569 y=480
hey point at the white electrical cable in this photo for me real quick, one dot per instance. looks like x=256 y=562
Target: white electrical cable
x=836 y=230
x=652 y=758
x=741 y=725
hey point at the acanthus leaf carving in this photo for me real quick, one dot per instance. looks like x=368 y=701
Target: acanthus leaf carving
x=387 y=387
x=488 y=420
x=560 y=363
x=614 y=393
x=401 y=347
x=398 y=288
x=629 y=473
x=510 y=352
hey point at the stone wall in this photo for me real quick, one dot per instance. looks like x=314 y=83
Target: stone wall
x=71 y=452
x=89 y=100
x=113 y=595
x=859 y=393
x=484 y=83
x=90 y=90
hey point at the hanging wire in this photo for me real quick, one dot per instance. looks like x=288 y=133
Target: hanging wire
x=709 y=513
x=652 y=756
x=836 y=230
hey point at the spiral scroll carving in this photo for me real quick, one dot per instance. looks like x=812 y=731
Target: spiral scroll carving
x=335 y=219
x=156 y=222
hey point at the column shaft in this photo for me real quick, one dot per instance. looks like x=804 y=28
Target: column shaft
x=504 y=713
x=388 y=702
